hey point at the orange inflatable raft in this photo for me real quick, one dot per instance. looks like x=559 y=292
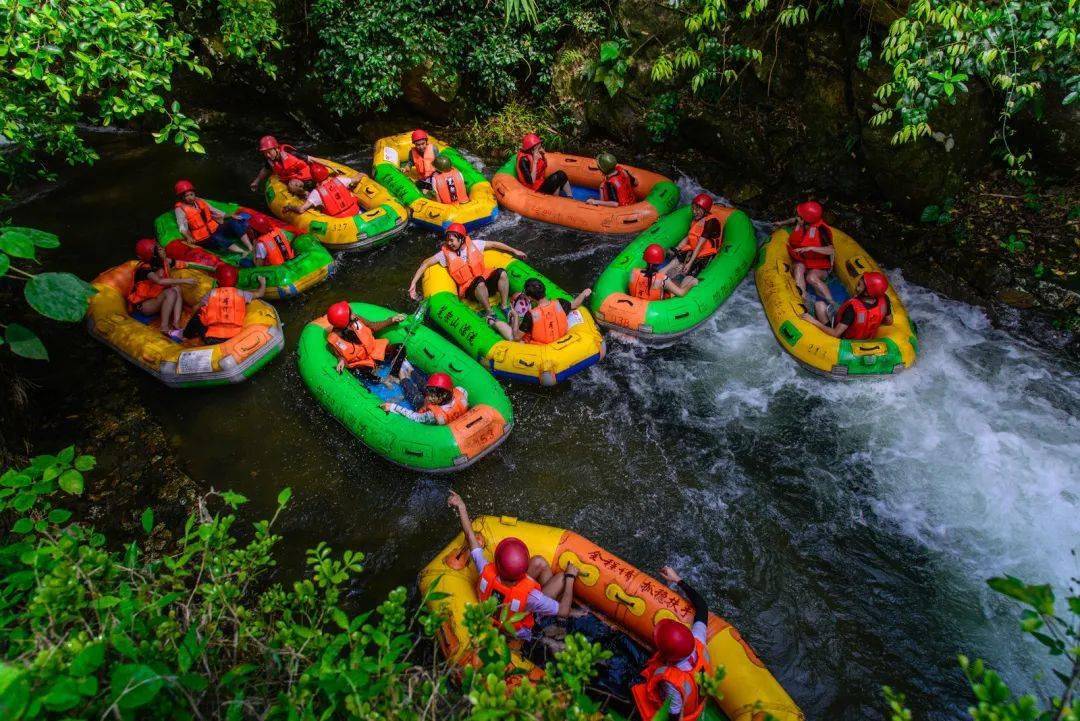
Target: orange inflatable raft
x=657 y=196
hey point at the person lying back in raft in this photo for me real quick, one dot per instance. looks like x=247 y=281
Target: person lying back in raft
x=153 y=292
x=219 y=315
x=545 y=322
x=422 y=156
x=353 y=341
x=532 y=169
x=447 y=183
x=204 y=226
x=287 y=164
x=617 y=187
x=652 y=283
x=671 y=675
x=860 y=317
x=463 y=259
x=273 y=248
x=332 y=196
x=701 y=243
x=522 y=584
x=811 y=250
x=443 y=402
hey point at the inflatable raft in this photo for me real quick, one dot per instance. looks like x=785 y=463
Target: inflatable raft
x=312 y=265
x=893 y=350
x=672 y=317
x=614 y=590
x=391 y=155
x=547 y=364
x=175 y=364
x=417 y=446
x=657 y=196
x=382 y=218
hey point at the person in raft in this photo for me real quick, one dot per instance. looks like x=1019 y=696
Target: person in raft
x=332 y=196
x=860 y=317
x=422 y=156
x=352 y=339
x=463 y=259
x=811 y=250
x=671 y=674
x=153 y=292
x=524 y=585
x=273 y=248
x=447 y=183
x=287 y=164
x=443 y=402
x=532 y=169
x=220 y=314
x=701 y=243
x=204 y=226
x=617 y=187
x=653 y=283
x=546 y=321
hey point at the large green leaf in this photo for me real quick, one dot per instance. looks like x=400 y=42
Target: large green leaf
x=5 y=263
x=60 y=296
x=23 y=342
x=134 y=685
x=16 y=244
x=14 y=693
x=40 y=238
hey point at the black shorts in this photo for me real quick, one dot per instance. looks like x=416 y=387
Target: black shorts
x=196 y=329
x=423 y=184
x=492 y=283
x=369 y=375
x=553 y=183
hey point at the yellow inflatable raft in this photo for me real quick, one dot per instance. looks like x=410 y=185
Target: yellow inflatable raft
x=176 y=364
x=383 y=216
x=893 y=350
x=614 y=590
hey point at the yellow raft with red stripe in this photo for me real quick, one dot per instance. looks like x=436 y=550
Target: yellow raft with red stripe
x=615 y=591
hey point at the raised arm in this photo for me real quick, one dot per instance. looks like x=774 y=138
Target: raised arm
x=581 y=298
x=378 y=325
x=261 y=290
x=454 y=501
x=419 y=274
x=701 y=608
x=264 y=173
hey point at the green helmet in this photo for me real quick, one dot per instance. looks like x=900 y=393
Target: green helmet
x=442 y=163
x=606 y=162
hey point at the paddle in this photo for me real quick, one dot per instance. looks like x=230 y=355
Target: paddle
x=413 y=322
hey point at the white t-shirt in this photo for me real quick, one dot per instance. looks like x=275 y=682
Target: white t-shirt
x=315 y=199
x=477 y=243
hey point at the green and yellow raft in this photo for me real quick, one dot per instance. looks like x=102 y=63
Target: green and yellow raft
x=417 y=446
x=312 y=265
x=391 y=155
x=672 y=317
x=547 y=364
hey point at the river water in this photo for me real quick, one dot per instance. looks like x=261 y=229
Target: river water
x=845 y=529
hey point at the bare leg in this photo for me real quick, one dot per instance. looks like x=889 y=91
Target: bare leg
x=504 y=290
x=505 y=331
x=168 y=308
x=481 y=295
x=567 y=190
x=799 y=272
x=178 y=308
x=816 y=278
x=821 y=312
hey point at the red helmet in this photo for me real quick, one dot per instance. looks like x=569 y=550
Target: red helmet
x=529 y=141
x=440 y=380
x=339 y=314
x=419 y=135
x=810 y=211
x=457 y=229
x=144 y=248
x=703 y=201
x=654 y=254
x=876 y=283
x=268 y=142
x=183 y=186
x=673 y=640
x=226 y=276
x=511 y=559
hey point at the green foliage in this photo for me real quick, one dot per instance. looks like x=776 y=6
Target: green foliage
x=1012 y=244
x=499 y=133
x=663 y=116
x=59 y=296
x=612 y=66
x=938 y=214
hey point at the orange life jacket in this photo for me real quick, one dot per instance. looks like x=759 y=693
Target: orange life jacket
x=812 y=238
x=424 y=164
x=867 y=318
x=200 y=220
x=711 y=247
x=512 y=598
x=362 y=354
x=641 y=286
x=464 y=271
x=223 y=314
x=289 y=167
x=539 y=173
x=619 y=187
x=448 y=412
x=338 y=201
x=450 y=187
x=549 y=323
x=142 y=290
x=650 y=695
x=277 y=246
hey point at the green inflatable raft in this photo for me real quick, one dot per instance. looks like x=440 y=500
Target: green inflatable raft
x=672 y=317
x=312 y=265
x=417 y=446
